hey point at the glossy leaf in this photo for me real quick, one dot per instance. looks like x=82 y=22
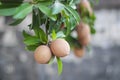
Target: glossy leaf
x=7 y=12
x=23 y=10
x=11 y=1
x=42 y=36
x=74 y=13
x=60 y=65
x=26 y=35
x=9 y=5
x=32 y=47
x=54 y=36
x=36 y=22
x=57 y=7
x=16 y=22
x=29 y=39
x=47 y=11
x=60 y=34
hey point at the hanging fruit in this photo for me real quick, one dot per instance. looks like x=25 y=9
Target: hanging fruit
x=53 y=21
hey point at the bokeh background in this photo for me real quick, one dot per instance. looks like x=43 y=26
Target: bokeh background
x=102 y=62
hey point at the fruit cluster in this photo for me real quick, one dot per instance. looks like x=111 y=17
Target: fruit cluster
x=53 y=21
x=58 y=48
x=84 y=29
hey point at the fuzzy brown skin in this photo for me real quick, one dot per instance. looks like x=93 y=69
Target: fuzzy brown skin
x=82 y=30
x=42 y=54
x=79 y=52
x=85 y=5
x=86 y=40
x=60 y=47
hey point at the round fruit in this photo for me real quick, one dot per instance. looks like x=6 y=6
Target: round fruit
x=79 y=52
x=86 y=40
x=82 y=30
x=60 y=47
x=84 y=4
x=42 y=54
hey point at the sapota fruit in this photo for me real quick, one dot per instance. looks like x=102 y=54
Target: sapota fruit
x=42 y=54
x=85 y=41
x=85 y=4
x=82 y=30
x=79 y=52
x=60 y=47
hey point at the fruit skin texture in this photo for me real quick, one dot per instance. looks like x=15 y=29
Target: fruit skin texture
x=79 y=52
x=60 y=47
x=82 y=30
x=42 y=54
x=85 y=5
x=86 y=40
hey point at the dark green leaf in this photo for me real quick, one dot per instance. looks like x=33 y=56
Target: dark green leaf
x=17 y=22
x=31 y=40
x=7 y=12
x=57 y=7
x=93 y=31
x=11 y=1
x=67 y=23
x=47 y=11
x=23 y=10
x=60 y=65
x=26 y=35
x=9 y=5
x=74 y=13
x=42 y=36
x=32 y=47
x=36 y=22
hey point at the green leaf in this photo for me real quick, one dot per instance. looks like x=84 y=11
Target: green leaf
x=18 y=21
x=11 y=1
x=54 y=36
x=60 y=34
x=47 y=11
x=42 y=36
x=65 y=13
x=36 y=22
x=74 y=13
x=26 y=35
x=67 y=23
x=93 y=31
x=32 y=47
x=60 y=65
x=23 y=10
x=9 y=5
x=57 y=7
x=30 y=40
x=51 y=60
x=7 y=12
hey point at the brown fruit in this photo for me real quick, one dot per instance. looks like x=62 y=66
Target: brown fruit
x=79 y=52
x=42 y=54
x=82 y=30
x=60 y=47
x=84 y=4
x=86 y=40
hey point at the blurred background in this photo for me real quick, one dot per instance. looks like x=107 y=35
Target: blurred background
x=102 y=62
